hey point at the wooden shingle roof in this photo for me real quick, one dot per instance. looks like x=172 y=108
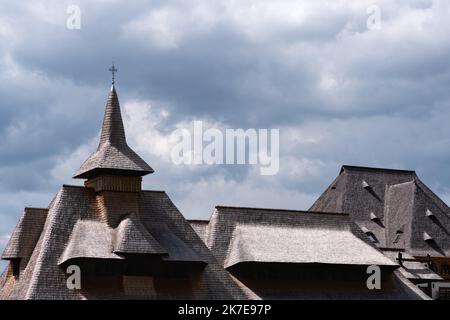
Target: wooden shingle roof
x=73 y=231
x=26 y=234
x=113 y=155
x=401 y=204
x=237 y=235
x=131 y=237
x=304 y=245
x=267 y=244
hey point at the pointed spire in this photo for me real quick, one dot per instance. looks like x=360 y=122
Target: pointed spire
x=112 y=130
x=113 y=155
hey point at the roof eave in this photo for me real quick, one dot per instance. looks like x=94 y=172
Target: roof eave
x=111 y=171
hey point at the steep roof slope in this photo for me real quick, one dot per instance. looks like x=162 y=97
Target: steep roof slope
x=297 y=242
x=44 y=278
x=393 y=205
x=26 y=234
x=264 y=235
x=113 y=154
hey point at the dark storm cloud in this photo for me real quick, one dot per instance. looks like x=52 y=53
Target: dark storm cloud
x=221 y=73
x=236 y=80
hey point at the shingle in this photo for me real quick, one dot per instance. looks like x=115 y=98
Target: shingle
x=26 y=234
x=177 y=249
x=200 y=227
x=326 y=242
x=72 y=232
x=89 y=239
x=113 y=155
x=399 y=210
x=131 y=237
x=401 y=202
x=284 y=244
x=270 y=235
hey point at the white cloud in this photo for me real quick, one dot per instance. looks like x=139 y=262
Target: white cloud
x=142 y=122
x=167 y=26
x=52 y=12
x=67 y=165
x=199 y=198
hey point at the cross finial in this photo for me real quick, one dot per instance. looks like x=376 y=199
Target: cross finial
x=113 y=71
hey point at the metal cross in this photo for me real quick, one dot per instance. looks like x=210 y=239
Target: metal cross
x=113 y=71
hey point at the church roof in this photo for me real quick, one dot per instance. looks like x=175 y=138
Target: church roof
x=26 y=234
x=238 y=235
x=113 y=155
x=89 y=239
x=72 y=230
x=267 y=243
x=284 y=244
x=95 y=239
x=404 y=207
x=131 y=237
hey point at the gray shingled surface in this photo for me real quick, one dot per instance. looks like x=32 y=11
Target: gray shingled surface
x=131 y=237
x=331 y=243
x=26 y=234
x=265 y=235
x=400 y=200
x=200 y=227
x=89 y=239
x=71 y=217
x=285 y=244
x=113 y=155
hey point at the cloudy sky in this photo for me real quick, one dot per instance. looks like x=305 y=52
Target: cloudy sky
x=342 y=86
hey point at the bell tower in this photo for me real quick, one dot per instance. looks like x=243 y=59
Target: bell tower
x=114 y=166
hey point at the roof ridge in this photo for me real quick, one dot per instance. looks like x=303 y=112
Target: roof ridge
x=430 y=193
x=155 y=191
x=363 y=168
x=283 y=210
x=73 y=186
x=413 y=181
x=35 y=208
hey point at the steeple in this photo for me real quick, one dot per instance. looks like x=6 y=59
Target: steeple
x=113 y=156
x=113 y=131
